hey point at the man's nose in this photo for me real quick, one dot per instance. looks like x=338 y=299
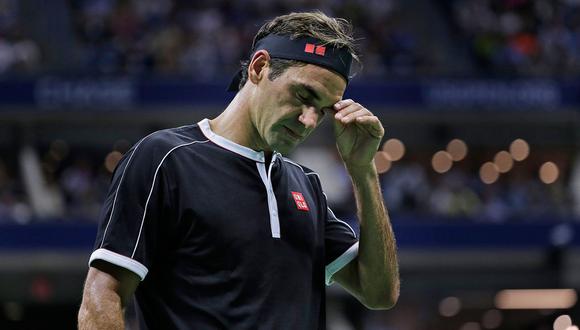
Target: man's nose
x=309 y=118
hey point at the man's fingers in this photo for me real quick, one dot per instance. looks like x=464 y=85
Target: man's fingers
x=346 y=119
x=347 y=111
x=342 y=104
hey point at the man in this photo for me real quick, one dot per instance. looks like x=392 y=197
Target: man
x=212 y=228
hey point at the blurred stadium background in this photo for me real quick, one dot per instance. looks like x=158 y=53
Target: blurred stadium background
x=481 y=174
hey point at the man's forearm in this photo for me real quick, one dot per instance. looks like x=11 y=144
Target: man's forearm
x=100 y=315
x=378 y=267
x=100 y=309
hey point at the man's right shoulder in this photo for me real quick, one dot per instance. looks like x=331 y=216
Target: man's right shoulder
x=152 y=150
x=162 y=141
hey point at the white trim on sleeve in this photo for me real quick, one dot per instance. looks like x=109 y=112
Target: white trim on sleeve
x=119 y=260
x=340 y=262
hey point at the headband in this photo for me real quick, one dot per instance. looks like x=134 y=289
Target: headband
x=305 y=49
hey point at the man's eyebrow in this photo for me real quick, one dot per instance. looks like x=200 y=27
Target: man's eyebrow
x=312 y=93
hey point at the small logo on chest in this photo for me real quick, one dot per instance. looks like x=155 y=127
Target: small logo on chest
x=300 y=201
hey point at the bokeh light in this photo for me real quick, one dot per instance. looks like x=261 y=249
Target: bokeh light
x=504 y=161
x=457 y=149
x=519 y=149
x=470 y=326
x=441 y=161
x=395 y=148
x=549 y=172
x=491 y=319
x=111 y=160
x=449 y=306
x=382 y=162
x=489 y=173
x=562 y=322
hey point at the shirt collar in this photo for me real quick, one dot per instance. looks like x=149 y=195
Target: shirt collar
x=221 y=141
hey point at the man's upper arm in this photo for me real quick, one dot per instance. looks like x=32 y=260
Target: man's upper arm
x=107 y=291
x=104 y=278
x=138 y=198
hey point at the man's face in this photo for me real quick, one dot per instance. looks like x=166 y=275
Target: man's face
x=287 y=109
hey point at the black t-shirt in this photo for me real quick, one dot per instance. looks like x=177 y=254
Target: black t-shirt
x=221 y=239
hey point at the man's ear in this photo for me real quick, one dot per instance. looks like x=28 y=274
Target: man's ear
x=257 y=68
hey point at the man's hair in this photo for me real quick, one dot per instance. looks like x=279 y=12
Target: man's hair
x=335 y=32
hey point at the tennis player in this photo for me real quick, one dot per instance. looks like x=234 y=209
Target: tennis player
x=209 y=226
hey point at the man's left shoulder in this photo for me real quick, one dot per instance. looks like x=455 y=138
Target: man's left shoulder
x=310 y=174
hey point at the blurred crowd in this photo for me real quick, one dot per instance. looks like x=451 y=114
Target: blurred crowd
x=530 y=37
x=460 y=193
x=18 y=52
x=412 y=188
x=14 y=206
x=56 y=183
x=207 y=39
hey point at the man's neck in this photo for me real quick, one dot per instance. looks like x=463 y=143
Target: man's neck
x=235 y=123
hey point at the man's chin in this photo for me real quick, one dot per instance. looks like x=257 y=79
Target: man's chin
x=283 y=143
x=285 y=148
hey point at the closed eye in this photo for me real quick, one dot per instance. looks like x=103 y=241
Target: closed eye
x=303 y=98
x=308 y=96
x=308 y=101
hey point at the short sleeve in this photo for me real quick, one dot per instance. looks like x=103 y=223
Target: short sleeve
x=129 y=222
x=341 y=244
x=340 y=240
